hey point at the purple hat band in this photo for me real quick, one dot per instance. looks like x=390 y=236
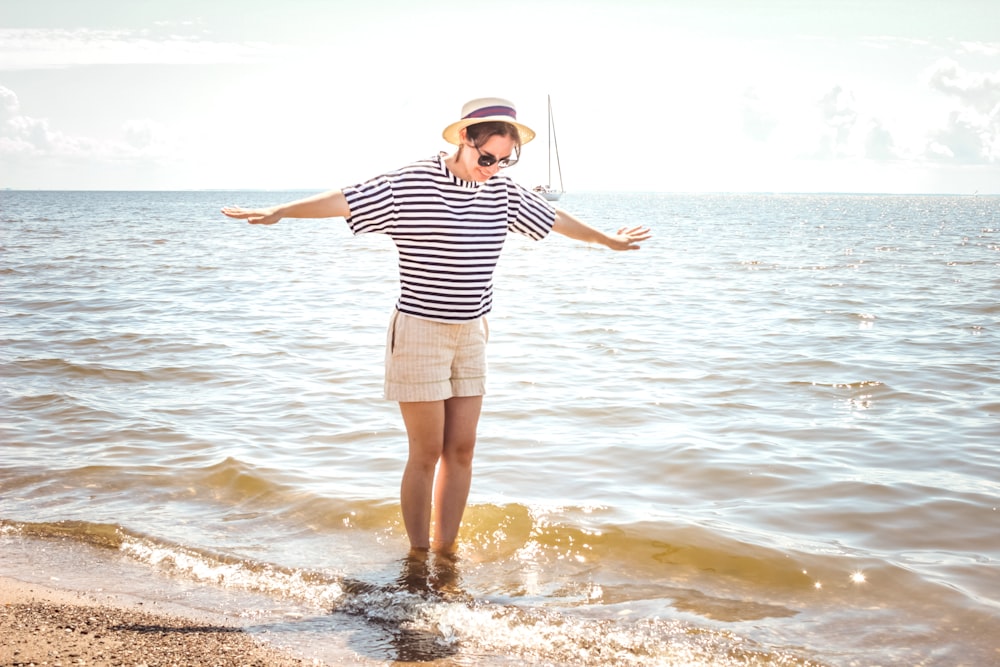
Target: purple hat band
x=492 y=111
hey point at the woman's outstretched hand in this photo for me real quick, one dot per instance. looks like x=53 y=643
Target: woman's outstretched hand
x=255 y=216
x=329 y=204
x=629 y=238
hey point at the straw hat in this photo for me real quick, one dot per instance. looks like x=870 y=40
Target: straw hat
x=483 y=110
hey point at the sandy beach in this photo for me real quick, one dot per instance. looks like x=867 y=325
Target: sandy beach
x=46 y=626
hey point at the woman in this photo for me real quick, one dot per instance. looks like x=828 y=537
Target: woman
x=448 y=217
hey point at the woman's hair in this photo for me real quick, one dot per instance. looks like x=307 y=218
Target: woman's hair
x=480 y=133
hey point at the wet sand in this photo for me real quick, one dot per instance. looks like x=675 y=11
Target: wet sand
x=45 y=626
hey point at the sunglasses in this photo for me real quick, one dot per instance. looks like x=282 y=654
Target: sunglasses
x=487 y=160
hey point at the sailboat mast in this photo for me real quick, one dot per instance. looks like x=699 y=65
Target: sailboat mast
x=548 y=181
x=547 y=191
x=553 y=142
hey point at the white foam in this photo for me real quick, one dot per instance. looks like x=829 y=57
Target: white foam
x=240 y=575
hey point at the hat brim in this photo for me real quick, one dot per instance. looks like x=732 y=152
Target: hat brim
x=451 y=133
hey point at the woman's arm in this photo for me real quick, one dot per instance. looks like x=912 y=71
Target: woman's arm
x=331 y=204
x=574 y=228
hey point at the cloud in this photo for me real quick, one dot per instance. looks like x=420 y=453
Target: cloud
x=981 y=48
x=20 y=134
x=31 y=48
x=839 y=116
x=879 y=144
x=25 y=136
x=965 y=139
x=825 y=127
x=971 y=134
x=974 y=89
x=148 y=137
x=838 y=108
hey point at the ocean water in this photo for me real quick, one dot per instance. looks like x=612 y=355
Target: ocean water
x=770 y=437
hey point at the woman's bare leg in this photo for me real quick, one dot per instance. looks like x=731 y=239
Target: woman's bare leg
x=424 y=423
x=442 y=431
x=454 y=477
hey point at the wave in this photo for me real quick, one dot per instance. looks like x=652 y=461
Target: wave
x=64 y=369
x=274 y=505
x=424 y=613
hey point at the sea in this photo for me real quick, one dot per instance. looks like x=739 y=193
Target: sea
x=769 y=437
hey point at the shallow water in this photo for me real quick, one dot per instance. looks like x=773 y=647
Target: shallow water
x=769 y=437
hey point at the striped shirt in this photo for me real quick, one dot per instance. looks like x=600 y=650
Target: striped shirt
x=448 y=232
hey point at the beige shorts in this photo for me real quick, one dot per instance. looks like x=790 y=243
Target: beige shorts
x=433 y=361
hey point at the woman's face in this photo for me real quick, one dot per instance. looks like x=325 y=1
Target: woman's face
x=497 y=146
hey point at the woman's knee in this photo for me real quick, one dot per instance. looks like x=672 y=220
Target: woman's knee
x=425 y=453
x=460 y=452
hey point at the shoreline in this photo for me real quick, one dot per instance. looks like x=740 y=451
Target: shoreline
x=49 y=626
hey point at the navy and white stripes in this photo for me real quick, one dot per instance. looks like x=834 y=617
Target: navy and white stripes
x=449 y=233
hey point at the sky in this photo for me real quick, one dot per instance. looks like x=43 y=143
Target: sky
x=886 y=96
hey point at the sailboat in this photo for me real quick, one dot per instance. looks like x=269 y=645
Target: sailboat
x=547 y=191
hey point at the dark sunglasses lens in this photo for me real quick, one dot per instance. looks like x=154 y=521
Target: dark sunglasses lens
x=487 y=160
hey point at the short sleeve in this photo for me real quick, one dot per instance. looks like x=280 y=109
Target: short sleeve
x=533 y=216
x=373 y=208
